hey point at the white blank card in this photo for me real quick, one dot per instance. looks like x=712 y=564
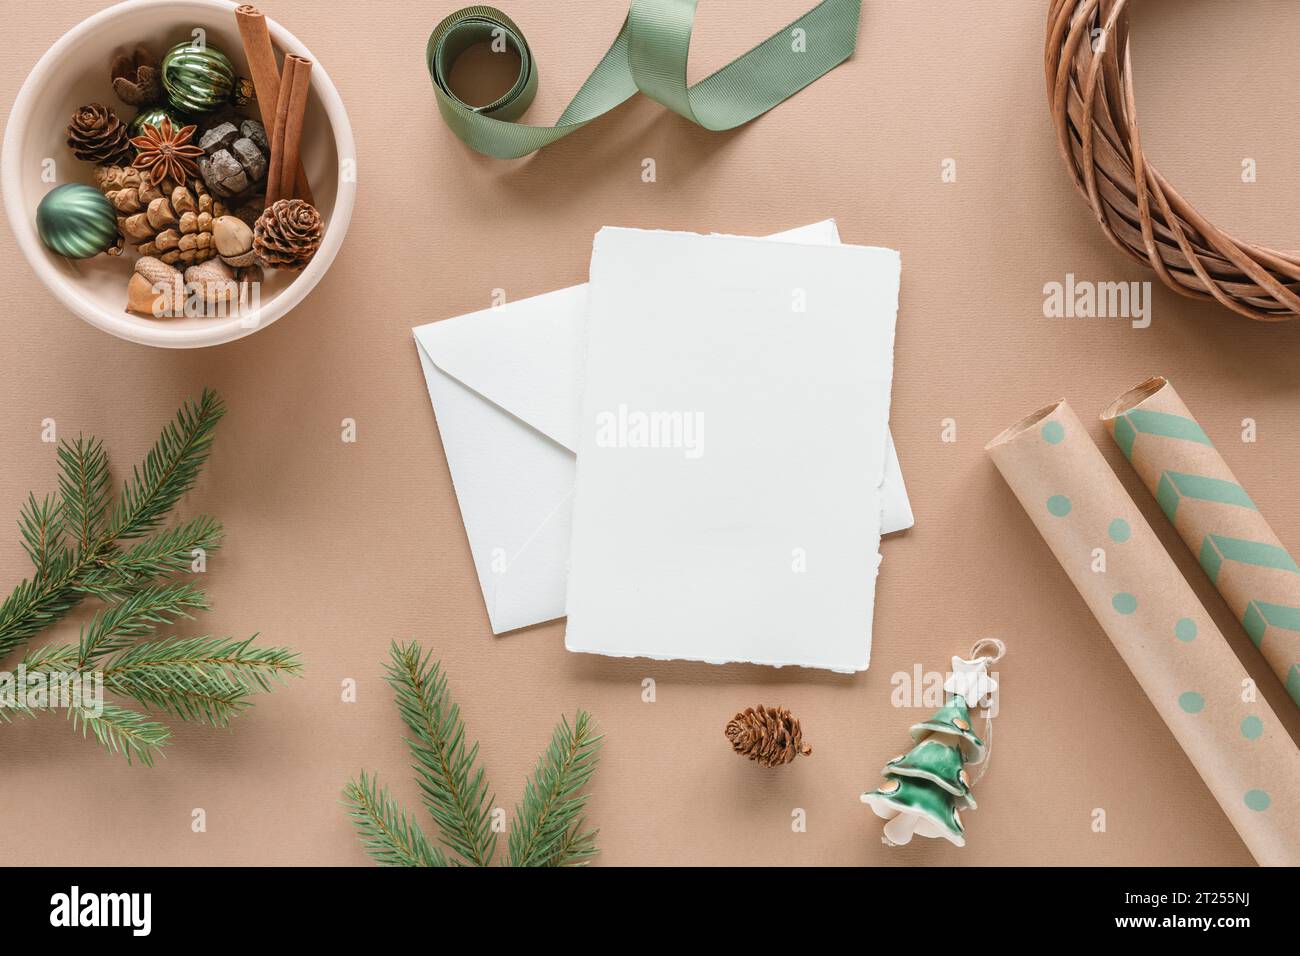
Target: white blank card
x=732 y=449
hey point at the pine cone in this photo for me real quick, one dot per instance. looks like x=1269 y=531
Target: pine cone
x=135 y=78
x=175 y=227
x=288 y=234
x=98 y=136
x=128 y=188
x=770 y=735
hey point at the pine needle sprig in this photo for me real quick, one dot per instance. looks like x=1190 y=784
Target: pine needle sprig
x=552 y=803
x=206 y=679
x=65 y=576
x=74 y=540
x=137 y=615
x=168 y=552
x=170 y=468
x=84 y=491
x=40 y=524
x=455 y=792
x=549 y=827
x=123 y=731
x=389 y=834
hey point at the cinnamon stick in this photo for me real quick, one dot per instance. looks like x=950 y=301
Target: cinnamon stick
x=260 y=53
x=290 y=110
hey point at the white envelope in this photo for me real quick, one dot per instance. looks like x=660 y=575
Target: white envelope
x=506 y=387
x=731 y=449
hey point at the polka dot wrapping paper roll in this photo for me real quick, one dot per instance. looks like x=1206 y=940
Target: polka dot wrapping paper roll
x=1154 y=619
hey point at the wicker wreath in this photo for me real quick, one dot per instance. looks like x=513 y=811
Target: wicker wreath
x=1090 y=87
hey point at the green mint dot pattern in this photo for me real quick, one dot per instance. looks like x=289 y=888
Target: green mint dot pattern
x=1058 y=505
x=1257 y=800
x=1120 y=530
x=1185 y=629
x=1053 y=433
x=1124 y=602
x=1252 y=728
x=1191 y=702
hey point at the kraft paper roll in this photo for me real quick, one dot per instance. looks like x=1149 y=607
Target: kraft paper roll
x=1197 y=491
x=1153 y=618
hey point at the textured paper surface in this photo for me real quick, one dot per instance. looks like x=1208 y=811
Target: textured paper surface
x=339 y=548
x=751 y=532
x=1151 y=615
x=506 y=386
x=1218 y=520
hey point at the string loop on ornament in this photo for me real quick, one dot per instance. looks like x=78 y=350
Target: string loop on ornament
x=981 y=647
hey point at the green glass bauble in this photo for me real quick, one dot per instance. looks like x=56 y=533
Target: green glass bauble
x=197 y=79
x=153 y=116
x=76 y=221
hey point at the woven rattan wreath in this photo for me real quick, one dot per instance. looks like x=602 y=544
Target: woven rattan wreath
x=1090 y=87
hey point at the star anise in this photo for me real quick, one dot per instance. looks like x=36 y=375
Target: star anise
x=166 y=152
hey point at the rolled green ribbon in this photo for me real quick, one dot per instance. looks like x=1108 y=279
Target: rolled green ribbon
x=649 y=54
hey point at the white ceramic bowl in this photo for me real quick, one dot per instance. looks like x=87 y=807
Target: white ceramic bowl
x=75 y=71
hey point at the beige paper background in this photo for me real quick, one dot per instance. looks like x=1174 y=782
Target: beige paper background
x=340 y=548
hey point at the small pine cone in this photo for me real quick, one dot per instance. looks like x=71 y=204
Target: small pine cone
x=176 y=229
x=128 y=188
x=135 y=78
x=770 y=735
x=288 y=234
x=98 y=136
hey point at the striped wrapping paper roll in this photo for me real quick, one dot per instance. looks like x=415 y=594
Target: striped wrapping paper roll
x=1150 y=613
x=1217 y=519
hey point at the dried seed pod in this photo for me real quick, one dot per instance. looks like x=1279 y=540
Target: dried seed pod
x=135 y=78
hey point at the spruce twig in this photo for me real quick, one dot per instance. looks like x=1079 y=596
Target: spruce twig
x=75 y=540
x=549 y=827
x=455 y=793
x=389 y=834
x=169 y=470
x=552 y=805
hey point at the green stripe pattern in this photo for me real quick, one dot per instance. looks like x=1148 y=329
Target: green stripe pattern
x=1278 y=619
x=648 y=55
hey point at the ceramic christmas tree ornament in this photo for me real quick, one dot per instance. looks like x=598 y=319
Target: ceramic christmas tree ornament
x=76 y=221
x=953 y=722
x=926 y=788
x=915 y=808
x=938 y=762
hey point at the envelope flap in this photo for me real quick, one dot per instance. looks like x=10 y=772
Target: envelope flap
x=523 y=356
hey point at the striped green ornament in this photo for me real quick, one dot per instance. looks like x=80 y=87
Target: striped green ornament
x=76 y=221
x=153 y=116
x=197 y=79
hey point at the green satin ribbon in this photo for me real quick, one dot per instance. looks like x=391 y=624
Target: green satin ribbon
x=649 y=54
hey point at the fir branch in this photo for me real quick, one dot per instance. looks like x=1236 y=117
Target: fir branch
x=198 y=678
x=74 y=540
x=168 y=552
x=455 y=792
x=123 y=731
x=84 y=490
x=40 y=523
x=137 y=615
x=169 y=470
x=63 y=580
x=552 y=804
x=576 y=848
x=389 y=834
